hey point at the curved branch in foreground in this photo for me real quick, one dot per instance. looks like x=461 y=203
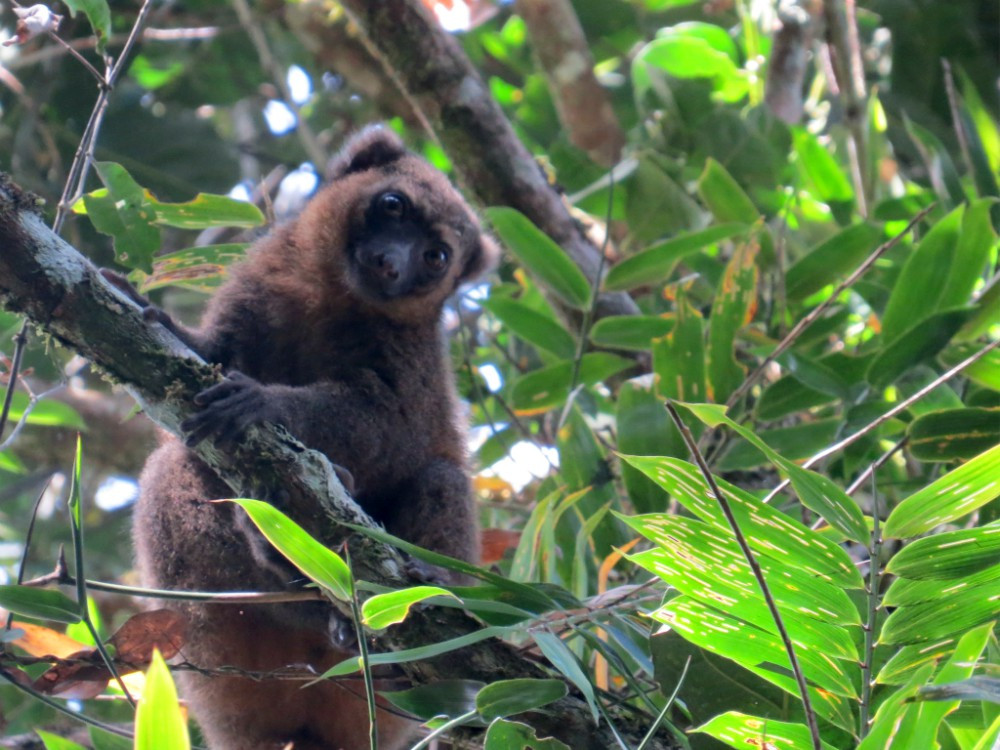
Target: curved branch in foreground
x=63 y=294
x=489 y=159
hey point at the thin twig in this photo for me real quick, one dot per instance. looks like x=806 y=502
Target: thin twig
x=873 y=602
x=23 y=420
x=817 y=311
x=956 y=118
x=79 y=58
x=22 y=564
x=727 y=511
x=872 y=468
x=20 y=341
x=111 y=728
x=901 y=406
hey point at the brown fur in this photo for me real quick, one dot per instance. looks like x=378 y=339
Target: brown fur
x=362 y=379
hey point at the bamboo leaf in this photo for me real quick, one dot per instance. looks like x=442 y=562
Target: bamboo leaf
x=952 y=496
x=319 y=564
x=541 y=256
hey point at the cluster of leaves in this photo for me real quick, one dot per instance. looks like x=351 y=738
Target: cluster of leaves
x=777 y=275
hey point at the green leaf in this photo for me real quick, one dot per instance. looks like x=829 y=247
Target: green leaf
x=742 y=731
x=656 y=263
x=953 y=434
x=509 y=697
x=99 y=15
x=568 y=665
x=631 y=332
x=655 y=204
x=971 y=254
x=541 y=256
x=199 y=268
x=532 y=326
x=529 y=598
x=940 y=167
x=952 y=496
x=923 y=721
x=985 y=371
x=159 y=723
x=382 y=610
x=644 y=427
x=102 y=740
x=931 y=620
x=549 y=387
x=206 y=210
x=918 y=344
x=724 y=197
x=707 y=564
x=732 y=308
x=451 y=698
x=353 y=664
x=55 y=742
x=889 y=714
x=985 y=314
x=43 y=604
x=319 y=564
x=950 y=554
x=794 y=443
x=905 y=660
x=751 y=646
x=830 y=183
x=124 y=213
x=47 y=412
x=766 y=528
x=977 y=688
x=830 y=261
x=905 y=591
x=917 y=292
x=513 y=735
x=817 y=492
x=679 y=359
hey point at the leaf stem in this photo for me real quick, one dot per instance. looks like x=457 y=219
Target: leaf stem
x=873 y=603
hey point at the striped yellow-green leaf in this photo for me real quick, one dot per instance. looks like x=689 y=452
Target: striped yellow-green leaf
x=742 y=731
x=956 y=494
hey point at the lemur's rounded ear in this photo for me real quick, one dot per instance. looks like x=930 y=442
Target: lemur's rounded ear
x=375 y=146
x=483 y=259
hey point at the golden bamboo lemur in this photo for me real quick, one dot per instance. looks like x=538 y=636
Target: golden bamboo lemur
x=329 y=328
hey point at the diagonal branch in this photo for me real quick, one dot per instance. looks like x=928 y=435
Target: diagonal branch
x=63 y=294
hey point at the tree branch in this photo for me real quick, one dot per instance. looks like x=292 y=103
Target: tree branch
x=61 y=292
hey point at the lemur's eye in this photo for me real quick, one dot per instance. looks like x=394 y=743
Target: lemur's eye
x=436 y=258
x=392 y=205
